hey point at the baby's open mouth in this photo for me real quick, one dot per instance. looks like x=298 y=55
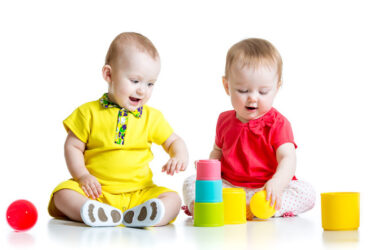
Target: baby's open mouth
x=251 y=108
x=133 y=99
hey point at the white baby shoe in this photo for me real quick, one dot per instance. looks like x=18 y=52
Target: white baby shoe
x=97 y=214
x=147 y=214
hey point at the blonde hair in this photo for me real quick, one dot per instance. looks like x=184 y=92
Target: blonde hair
x=254 y=52
x=130 y=38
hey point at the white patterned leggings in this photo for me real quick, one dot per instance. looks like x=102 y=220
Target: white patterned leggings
x=298 y=197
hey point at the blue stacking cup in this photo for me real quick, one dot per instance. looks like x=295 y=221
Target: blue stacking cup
x=208 y=191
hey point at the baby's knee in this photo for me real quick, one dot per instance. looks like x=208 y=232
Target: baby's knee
x=177 y=199
x=308 y=192
x=61 y=196
x=68 y=197
x=172 y=204
x=171 y=198
x=305 y=194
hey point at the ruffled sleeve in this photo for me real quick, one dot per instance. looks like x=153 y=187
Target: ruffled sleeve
x=281 y=133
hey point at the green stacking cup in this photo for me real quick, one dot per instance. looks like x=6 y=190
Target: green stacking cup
x=208 y=214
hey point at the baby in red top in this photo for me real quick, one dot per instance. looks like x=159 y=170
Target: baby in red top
x=254 y=142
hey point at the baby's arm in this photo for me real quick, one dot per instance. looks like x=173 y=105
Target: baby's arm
x=74 y=149
x=286 y=158
x=177 y=150
x=216 y=153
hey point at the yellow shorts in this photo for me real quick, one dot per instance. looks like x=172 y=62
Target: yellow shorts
x=122 y=201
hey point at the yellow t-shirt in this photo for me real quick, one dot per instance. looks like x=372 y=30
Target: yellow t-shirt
x=118 y=168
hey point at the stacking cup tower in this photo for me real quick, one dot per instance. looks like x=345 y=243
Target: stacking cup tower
x=208 y=206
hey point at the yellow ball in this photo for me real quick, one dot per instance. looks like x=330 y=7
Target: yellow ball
x=260 y=207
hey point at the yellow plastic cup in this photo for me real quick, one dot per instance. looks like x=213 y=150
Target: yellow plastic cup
x=260 y=207
x=340 y=210
x=208 y=214
x=234 y=205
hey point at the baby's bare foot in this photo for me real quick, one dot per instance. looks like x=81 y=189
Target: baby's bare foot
x=191 y=208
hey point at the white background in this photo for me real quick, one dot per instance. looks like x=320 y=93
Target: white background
x=52 y=52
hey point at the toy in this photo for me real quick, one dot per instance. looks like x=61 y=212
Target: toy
x=208 y=206
x=208 y=170
x=234 y=205
x=340 y=210
x=21 y=215
x=208 y=191
x=260 y=207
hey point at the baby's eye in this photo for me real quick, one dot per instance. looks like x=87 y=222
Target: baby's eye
x=263 y=92
x=134 y=81
x=242 y=91
x=150 y=84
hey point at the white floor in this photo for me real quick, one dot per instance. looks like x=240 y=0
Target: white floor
x=301 y=232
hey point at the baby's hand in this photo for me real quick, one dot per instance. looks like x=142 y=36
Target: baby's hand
x=274 y=191
x=90 y=186
x=174 y=165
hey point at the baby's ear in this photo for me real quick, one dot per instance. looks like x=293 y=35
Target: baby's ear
x=107 y=73
x=225 y=84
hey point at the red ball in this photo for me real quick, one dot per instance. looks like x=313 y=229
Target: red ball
x=22 y=215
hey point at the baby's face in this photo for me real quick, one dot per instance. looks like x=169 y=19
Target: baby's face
x=252 y=91
x=133 y=76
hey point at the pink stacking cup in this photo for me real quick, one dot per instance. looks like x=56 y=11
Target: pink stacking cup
x=208 y=170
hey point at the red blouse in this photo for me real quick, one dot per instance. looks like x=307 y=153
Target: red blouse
x=249 y=149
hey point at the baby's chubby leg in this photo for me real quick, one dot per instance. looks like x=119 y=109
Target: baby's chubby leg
x=79 y=208
x=298 y=197
x=69 y=203
x=172 y=204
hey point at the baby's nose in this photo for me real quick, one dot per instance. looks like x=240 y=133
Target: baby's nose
x=140 y=89
x=252 y=98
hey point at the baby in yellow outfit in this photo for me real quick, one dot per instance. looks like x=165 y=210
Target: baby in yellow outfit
x=108 y=147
